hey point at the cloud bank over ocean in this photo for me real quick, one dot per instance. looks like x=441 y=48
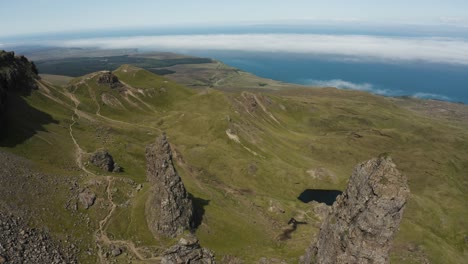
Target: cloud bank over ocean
x=368 y=87
x=436 y=50
x=349 y=85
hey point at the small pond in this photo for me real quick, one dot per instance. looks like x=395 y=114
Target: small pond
x=322 y=196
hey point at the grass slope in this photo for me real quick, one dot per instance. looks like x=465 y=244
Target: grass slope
x=239 y=153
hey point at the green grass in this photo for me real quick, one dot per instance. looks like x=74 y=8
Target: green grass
x=315 y=128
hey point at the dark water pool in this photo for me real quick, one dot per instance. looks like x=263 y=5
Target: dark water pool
x=322 y=196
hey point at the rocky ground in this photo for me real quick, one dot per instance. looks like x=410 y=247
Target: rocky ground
x=19 y=241
x=21 y=244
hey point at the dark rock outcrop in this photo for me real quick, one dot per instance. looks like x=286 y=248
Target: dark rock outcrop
x=109 y=79
x=17 y=75
x=188 y=251
x=169 y=210
x=104 y=160
x=364 y=219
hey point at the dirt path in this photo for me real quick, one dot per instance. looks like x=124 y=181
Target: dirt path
x=92 y=94
x=100 y=233
x=79 y=150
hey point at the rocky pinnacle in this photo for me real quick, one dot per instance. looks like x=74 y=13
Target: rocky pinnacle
x=169 y=210
x=364 y=220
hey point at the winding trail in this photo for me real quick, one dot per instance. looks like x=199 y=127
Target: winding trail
x=100 y=233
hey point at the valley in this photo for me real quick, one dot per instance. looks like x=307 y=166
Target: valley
x=245 y=148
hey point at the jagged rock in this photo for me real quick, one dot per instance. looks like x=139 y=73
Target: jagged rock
x=87 y=198
x=364 y=219
x=188 y=250
x=17 y=75
x=104 y=160
x=108 y=78
x=116 y=251
x=169 y=210
x=139 y=187
x=117 y=168
x=320 y=209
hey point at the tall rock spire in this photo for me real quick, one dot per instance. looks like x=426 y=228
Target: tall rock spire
x=365 y=218
x=169 y=210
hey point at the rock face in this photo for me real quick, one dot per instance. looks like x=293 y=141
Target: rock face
x=364 y=219
x=108 y=78
x=17 y=75
x=103 y=159
x=169 y=210
x=188 y=251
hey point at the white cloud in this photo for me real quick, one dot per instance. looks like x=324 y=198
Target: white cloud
x=367 y=87
x=440 y=50
x=350 y=85
x=341 y=84
x=432 y=96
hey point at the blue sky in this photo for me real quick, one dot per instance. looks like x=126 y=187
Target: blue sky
x=32 y=16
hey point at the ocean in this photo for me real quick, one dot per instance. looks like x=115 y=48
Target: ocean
x=448 y=82
x=399 y=60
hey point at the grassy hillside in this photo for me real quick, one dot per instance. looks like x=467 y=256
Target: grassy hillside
x=245 y=157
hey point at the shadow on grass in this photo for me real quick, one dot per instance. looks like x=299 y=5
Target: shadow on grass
x=293 y=223
x=199 y=210
x=21 y=121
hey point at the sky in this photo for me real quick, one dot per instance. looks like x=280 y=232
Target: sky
x=24 y=17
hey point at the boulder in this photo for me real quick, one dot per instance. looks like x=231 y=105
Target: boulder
x=188 y=250
x=104 y=160
x=87 y=198
x=116 y=251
